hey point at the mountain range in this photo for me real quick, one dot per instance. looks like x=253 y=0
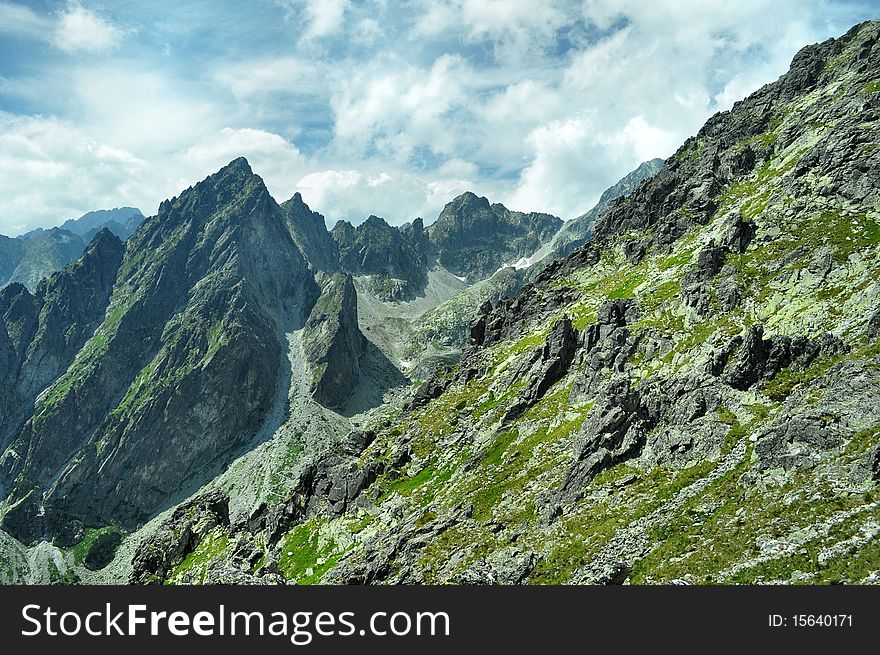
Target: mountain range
x=681 y=385
x=39 y=253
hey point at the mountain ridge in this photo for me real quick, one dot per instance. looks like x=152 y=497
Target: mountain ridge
x=682 y=398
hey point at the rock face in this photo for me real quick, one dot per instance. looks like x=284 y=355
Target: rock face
x=690 y=397
x=397 y=266
x=309 y=232
x=41 y=333
x=180 y=372
x=474 y=239
x=334 y=345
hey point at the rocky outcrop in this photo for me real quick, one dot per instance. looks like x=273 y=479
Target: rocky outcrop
x=333 y=343
x=546 y=367
x=873 y=329
x=178 y=536
x=803 y=434
x=506 y=319
x=748 y=360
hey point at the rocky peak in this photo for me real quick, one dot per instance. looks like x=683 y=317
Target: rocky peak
x=473 y=238
x=467 y=202
x=374 y=248
x=333 y=343
x=309 y=232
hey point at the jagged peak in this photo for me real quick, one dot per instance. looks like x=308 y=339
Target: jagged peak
x=467 y=200
x=219 y=188
x=343 y=225
x=239 y=164
x=296 y=201
x=378 y=221
x=103 y=237
x=12 y=290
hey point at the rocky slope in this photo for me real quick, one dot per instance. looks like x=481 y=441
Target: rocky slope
x=577 y=231
x=41 y=333
x=692 y=395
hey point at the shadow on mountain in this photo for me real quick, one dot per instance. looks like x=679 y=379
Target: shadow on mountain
x=378 y=377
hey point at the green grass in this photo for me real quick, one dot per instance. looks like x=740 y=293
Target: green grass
x=790 y=378
x=215 y=545
x=91 y=535
x=304 y=557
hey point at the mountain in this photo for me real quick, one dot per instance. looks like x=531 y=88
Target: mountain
x=691 y=396
x=397 y=267
x=42 y=332
x=122 y=221
x=473 y=239
x=181 y=371
x=309 y=232
x=39 y=253
x=30 y=260
x=334 y=343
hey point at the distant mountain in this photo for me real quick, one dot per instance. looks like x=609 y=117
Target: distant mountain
x=473 y=239
x=396 y=265
x=29 y=260
x=37 y=254
x=122 y=221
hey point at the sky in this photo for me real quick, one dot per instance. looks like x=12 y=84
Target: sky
x=372 y=106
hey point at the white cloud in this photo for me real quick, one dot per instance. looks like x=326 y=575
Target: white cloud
x=256 y=82
x=139 y=109
x=19 y=20
x=271 y=156
x=396 y=195
x=51 y=171
x=81 y=30
x=322 y=18
x=396 y=107
x=325 y=16
x=377 y=107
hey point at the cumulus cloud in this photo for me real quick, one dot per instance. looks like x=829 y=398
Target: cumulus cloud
x=394 y=108
x=396 y=195
x=81 y=30
x=51 y=171
x=374 y=107
x=278 y=161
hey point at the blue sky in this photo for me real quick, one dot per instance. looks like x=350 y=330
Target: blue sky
x=366 y=106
